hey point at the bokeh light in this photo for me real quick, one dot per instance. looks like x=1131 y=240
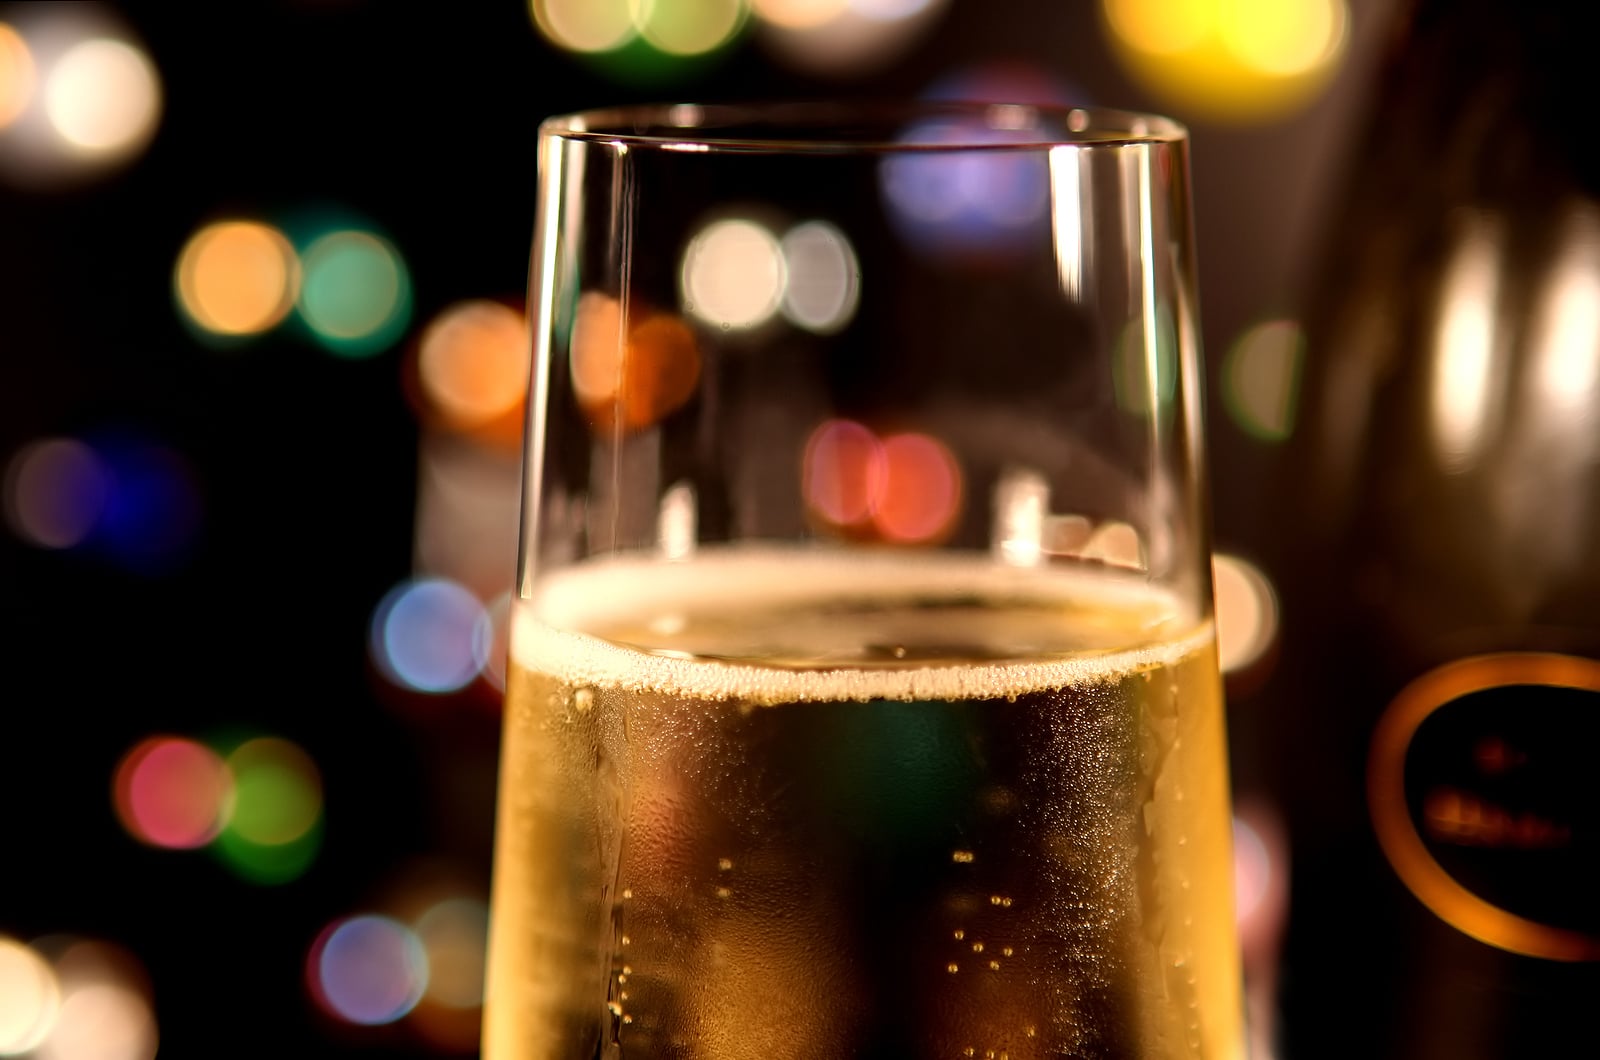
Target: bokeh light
x=431 y=635
x=30 y=997
x=1260 y=379
x=237 y=277
x=823 y=277
x=172 y=792
x=105 y=1011
x=472 y=363
x=151 y=516
x=79 y=95
x=842 y=38
x=1239 y=60
x=733 y=274
x=355 y=294
x=277 y=791
x=274 y=828
x=103 y=96
x=17 y=75
x=368 y=969
x=1247 y=611
x=585 y=25
x=969 y=205
x=1145 y=366
x=842 y=477
x=494 y=669
x=454 y=935
x=904 y=488
x=689 y=27
x=921 y=489
x=629 y=382
x=55 y=492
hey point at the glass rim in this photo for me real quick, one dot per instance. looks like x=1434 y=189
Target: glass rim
x=864 y=128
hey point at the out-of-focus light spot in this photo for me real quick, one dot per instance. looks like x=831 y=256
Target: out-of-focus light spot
x=103 y=96
x=967 y=204
x=1260 y=379
x=16 y=75
x=689 y=28
x=473 y=362
x=30 y=997
x=454 y=935
x=733 y=274
x=172 y=792
x=1252 y=870
x=842 y=477
x=586 y=25
x=368 y=969
x=823 y=277
x=152 y=511
x=356 y=293
x=1230 y=59
x=629 y=382
x=798 y=14
x=842 y=38
x=921 y=489
x=1247 y=611
x=105 y=1009
x=1021 y=505
x=103 y=1021
x=237 y=277
x=431 y=635
x=277 y=791
x=55 y=492
x=1565 y=369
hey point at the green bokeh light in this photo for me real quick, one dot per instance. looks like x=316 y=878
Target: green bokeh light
x=274 y=830
x=1142 y=370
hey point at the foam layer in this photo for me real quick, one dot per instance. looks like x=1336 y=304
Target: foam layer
x=555 y=630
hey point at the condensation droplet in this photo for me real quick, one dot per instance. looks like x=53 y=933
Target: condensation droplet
x=616 y=1009
x=1031 y=1032
x=582 y=700
x=977 y=947
x=1006 y=951
x=626 y=940
x=723 y=892
x=623 y=978
x=627 y=1019
x=724 y=864
x=627 y=970
x=623 y=995
x=969 y=1051
x=994 y=966
x=994 y=899
x=1006 y=902
x=952 y=967
x=960 y=934
x=961 y=857
x=627 y=893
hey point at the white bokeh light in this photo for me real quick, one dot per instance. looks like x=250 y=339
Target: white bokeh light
x=734 y=274
x=823 y=277
x=103 y=96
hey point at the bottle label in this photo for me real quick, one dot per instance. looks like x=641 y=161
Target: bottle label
x=1485 y=799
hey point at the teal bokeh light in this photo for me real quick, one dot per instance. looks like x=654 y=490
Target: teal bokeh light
x=355 y=296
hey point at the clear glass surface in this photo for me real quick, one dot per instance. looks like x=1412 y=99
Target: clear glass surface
x=863 y=697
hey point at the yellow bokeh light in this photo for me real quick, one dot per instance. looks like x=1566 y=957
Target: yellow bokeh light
x=688 y=27
x=16 y=75
x=798 y=14
x=30 y=997
x=473 y=361
x=103 y=96
x=237 y=277
x=1235 y=60
x=586 y=25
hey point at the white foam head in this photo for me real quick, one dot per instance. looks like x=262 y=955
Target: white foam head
x=547 y=630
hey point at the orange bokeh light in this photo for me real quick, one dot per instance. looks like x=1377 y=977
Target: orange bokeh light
x=16 y=75
x=628 y=384
x=472 y=365
x=921 y=489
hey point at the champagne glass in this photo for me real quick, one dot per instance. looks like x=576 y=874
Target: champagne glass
x=863 y=698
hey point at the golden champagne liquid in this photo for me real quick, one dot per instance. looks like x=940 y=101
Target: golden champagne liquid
x=777 y=804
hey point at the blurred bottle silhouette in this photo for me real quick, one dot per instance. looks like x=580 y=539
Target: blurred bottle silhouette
x=1436 y=710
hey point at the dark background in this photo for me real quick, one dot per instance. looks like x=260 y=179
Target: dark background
x=418 y=119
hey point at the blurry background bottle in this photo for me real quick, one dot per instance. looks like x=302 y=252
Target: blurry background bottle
x=1437 y=703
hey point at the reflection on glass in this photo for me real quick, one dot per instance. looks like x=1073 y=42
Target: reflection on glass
x=1465 y=372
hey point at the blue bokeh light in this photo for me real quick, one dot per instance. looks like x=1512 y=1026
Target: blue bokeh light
x=431 y=635
x=369 y=970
